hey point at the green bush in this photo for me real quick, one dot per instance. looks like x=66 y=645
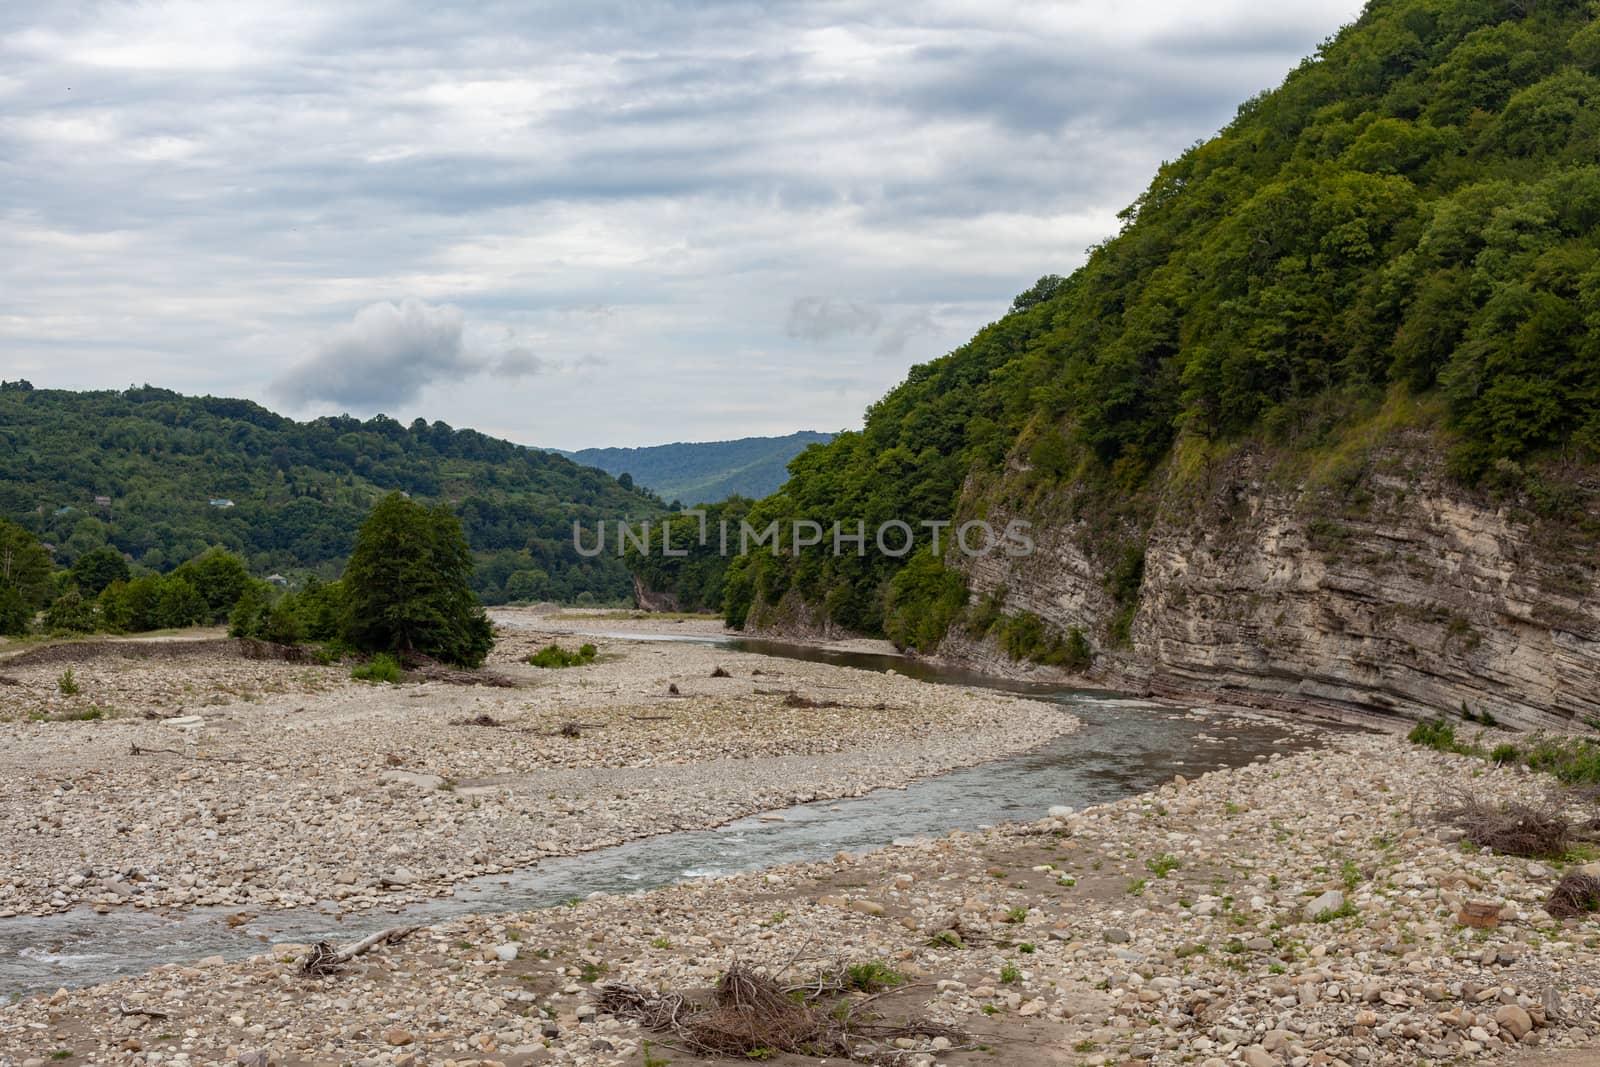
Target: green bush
x=1504 y=753
x=380 y=668
x=71 y=614
x=1573 y=760
x=1026 y=637
x=68 y=684
x=1436 y=734
x=986 y=613
x=554 y=657
x=873 y=976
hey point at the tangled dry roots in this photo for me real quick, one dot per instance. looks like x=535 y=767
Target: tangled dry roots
x=753 y=1016
x=1513 y=828
x=1576 y=894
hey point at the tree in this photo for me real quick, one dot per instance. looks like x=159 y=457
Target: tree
x=407 y=586
x=98 y=568
x=177 y=605
x=24 y=577
x=220 y=578
x=15 y=615
x=1046 y=287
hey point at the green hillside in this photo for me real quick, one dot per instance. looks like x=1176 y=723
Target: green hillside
x=152 y=473
x=1405 y=230
x=705 y=472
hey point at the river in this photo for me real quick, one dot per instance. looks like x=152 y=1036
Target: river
x=1125 y=747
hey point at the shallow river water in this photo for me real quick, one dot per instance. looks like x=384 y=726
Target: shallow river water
x=1125 y=747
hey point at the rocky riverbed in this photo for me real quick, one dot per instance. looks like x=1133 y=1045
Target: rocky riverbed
x=183 y=774
x=1301 y=911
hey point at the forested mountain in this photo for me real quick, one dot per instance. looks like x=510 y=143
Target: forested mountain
x=705 y=472
x=161 y=476
x=1369 y=304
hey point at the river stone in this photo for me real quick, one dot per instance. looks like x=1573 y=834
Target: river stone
x=415 y=779
x=398 y=876
x=1256 y=1056
x=1513 y=1020
x=1332 y=900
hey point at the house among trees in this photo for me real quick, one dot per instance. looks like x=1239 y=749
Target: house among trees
x=102 y=501
x=220 y=502
x=277 y=579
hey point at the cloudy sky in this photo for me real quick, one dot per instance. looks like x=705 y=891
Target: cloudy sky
x=585 y=223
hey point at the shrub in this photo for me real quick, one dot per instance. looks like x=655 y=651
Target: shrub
x=71 y=614
x=1026 y=637
x=873 y=976
x=1437 y=735
x=554 y=657
x=68 y=684
x=1573 y=760
x=986 y=613
x=1504 y=753
x=380 y=668
x=1163 y=865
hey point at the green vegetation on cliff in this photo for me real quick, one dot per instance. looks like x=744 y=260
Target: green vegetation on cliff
x=163 y=477
x=1410 y=222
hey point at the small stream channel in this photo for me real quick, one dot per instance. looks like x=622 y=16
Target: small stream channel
x=1125 y=747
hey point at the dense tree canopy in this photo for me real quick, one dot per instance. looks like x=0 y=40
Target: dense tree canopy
x=163 y=477
x=1415 y=212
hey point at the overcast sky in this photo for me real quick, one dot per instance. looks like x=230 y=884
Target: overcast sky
x=578 y=224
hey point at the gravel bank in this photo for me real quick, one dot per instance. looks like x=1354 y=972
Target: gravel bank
x=301 y=785
x=1176 y=927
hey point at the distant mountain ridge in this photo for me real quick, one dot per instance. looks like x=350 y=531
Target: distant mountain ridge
x=704 y=472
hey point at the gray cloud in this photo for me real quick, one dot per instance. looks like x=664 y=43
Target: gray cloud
x=387 y=355
x=903 y=330
x=518 y=363
x=200 y=195
x=811 y=318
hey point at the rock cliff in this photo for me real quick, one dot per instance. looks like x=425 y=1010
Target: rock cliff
x=1394 y=591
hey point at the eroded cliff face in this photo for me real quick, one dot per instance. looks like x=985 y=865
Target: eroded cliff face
x=1396 y=592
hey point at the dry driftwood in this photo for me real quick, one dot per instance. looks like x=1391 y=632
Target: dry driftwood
x=123 y=1011
x=1576 y=894
x=751 y=1014
x=145 y=750
x=324 y=959
x=1512 y=828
